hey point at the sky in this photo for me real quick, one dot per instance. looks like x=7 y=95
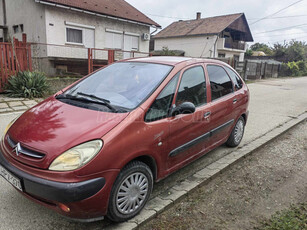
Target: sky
x=290 y=23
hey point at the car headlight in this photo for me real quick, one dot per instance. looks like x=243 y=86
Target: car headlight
x=9 y=125
x=76 y=157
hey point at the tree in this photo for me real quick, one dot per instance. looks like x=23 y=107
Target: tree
x=296 y=51
x=262 y=47
x=279 y=50
x=248 y=53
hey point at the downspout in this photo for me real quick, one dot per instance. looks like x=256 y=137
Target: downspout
x=217 y=37
x=5 y=30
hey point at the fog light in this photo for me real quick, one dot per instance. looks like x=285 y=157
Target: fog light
x=64 y=207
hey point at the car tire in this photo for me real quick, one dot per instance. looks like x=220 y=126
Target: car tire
x=237 y=133
x=130 y=192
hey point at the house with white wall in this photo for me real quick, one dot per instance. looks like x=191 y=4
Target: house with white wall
x=65 y=29
x=215 y=37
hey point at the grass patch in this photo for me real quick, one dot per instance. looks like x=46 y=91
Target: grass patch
x=294 y=218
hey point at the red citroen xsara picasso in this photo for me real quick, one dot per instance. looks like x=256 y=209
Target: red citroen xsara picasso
x=95 y=148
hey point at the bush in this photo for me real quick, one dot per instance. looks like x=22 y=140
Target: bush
x=27 y=84
x=294 y=69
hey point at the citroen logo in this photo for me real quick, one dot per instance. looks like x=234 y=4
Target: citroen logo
x=17 y=149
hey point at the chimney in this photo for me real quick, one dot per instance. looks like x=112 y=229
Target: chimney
x=198 y=15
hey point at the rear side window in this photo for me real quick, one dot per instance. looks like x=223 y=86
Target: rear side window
x=161 y=106
x=235 y=78
x=192 y=87
x=220 y=82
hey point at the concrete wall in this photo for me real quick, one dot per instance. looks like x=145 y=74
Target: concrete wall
x=28 y=13
x=197 y=46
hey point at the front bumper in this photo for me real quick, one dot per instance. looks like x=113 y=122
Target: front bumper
x=54 y=191
x=86 y=200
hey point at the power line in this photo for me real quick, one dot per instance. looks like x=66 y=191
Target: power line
x=289 y=39
x=276 y=12
x=289 y=16
x=285 y=28
x=275 y=35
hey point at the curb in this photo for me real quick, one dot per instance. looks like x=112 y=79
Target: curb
x=162 y=202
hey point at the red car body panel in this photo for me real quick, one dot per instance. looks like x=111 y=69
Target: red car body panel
x=49 y=126
x=53 y=127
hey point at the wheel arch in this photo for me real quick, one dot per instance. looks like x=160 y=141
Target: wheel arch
x=244 y=115
x=150 y=162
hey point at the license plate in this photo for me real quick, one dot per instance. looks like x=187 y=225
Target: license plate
x=10 y=178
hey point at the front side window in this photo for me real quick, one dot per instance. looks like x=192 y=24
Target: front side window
x=235 y=78
x=161 y=106
x=192 y=87
x=124 y=84
x=74 y=36
x=220 y=82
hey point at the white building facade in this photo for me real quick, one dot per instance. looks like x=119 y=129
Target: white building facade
x=66 y=29
x=216 y=37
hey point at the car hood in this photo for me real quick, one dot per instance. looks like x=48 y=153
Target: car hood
x=52 y=127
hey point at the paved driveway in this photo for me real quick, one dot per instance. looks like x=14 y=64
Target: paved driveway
x=273 y=102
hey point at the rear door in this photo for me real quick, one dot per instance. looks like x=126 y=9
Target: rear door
x=240 y=96
x=222 y=98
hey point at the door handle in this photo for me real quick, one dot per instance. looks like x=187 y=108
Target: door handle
x=235 y=101
x=207 y=115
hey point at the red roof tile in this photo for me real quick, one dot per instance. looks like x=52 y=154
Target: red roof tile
x=115 y=8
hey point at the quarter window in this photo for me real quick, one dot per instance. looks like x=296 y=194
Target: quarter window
x=161 y=106
x=220 y=82
x=235 y=78
x=192 y=87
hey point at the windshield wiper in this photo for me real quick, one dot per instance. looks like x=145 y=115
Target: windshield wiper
x=101 y=100
x=72 y=97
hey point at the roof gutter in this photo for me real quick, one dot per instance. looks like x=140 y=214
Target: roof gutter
x=93 y=13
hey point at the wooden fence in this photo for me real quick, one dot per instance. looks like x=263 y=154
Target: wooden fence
x=14 y=57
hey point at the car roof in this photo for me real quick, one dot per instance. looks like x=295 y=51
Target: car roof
x=173 y=60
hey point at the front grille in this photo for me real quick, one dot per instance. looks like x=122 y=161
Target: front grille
x=24 y=151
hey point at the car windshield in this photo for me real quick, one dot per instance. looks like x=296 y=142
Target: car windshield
x=124 y=84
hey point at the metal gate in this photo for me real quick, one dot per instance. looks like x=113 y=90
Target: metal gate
x=14 y=57
x=98 y=58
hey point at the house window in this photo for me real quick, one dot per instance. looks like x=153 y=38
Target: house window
x=21 y=27
x=222 y=55
x=74 y=35
x=114 y=40
x=16 y=29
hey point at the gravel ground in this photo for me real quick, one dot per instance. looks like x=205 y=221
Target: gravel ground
x=269 y=180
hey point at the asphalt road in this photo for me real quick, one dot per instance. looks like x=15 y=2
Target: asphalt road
x=273 y=102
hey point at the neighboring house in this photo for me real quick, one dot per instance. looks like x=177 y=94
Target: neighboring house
x=216 y=37
x=79 y=24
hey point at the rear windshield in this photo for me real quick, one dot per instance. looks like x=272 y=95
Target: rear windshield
x=124 y=84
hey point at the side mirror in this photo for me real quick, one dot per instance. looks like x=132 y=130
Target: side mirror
x=184 y=108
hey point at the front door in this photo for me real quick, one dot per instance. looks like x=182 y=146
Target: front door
x=189 y=132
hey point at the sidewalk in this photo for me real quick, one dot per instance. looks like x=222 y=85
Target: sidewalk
x=16 y=104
